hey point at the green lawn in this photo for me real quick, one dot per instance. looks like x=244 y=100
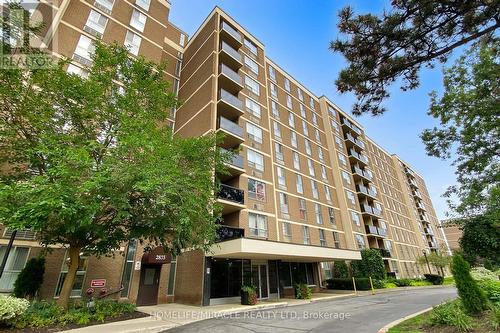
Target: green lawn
x=411 y=325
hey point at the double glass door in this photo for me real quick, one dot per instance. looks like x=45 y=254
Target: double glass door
x=260 y=279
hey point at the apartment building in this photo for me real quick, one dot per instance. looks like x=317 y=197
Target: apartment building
x=306 y=186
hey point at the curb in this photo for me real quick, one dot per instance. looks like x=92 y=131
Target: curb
x=386 y=328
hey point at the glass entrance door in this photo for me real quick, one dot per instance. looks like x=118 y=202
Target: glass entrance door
x=260 y=280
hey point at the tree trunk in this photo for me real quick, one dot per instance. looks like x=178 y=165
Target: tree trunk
x=69 y=280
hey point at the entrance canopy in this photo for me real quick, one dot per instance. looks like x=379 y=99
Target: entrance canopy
x=262 y=249
x=156 y=256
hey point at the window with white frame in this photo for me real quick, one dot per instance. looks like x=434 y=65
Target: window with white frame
x=307 y=145
x=342 y=159
x=144 y=4
x=300 y=187
x=255 y=160
x=315 y=119
x=80 y=276
x=250 y=46
x=314 y=189
x=252 y=65
x=257 y=224
x=280 y=173
x=336 y=239
x=14 y=265
x=317 y=135
x=310 y=166
x=318 y=213
x=350 y=197
x=277 y=129
x=328 y=194
x=305 y=129
x=338 y=141
x=323 y=173
x=97 y=22
x=320 y=154
x=253 y=107
x=132 y=42
x=287 y=231
x=287 y=84
x=272 y=75
x=346 y=177
x=302 y=209
x=275 y=110
x=254 y=133
x=278 y=151
x=107 y=5
x=360 y=241
x=73 y=69
x=322 y=238
x=289 y=103
x=307 y=236
x=252 y=85
x=302 y=110
x=335 y=125
x=296 y=160
x=311 y=102
x=85 y=47
x=331 y=215
x=355 y=218
x=291 y=119
x=138 y=20
x=300 y=94
x=283 y=203
x=256 y=189
x=293 y=139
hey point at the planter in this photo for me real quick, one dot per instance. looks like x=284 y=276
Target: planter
x=248 y=295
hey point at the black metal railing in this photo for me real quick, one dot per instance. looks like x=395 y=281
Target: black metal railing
x=231 y=193
x=225 y=233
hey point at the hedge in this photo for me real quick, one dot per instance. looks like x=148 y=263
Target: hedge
x=434 y=279
x=346 y=284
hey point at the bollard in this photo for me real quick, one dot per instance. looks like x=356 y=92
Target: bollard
x=354 y=285
x=371 y=284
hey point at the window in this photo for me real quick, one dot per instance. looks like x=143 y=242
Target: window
x=280 y=172
x=314 y=189
x=80 y=276
x=289 y=103
x=311 y=102
x=323 y=173
x=287 y=85
x=85 y=47
x=328 y=194
x=304 y=128
x=342 y=159
x=296 y=160
x=346 y=177
x=255 y=160
x=331 y=111
x=254 y=133
x=317 y=212
x=336 y=239
x=250 y=46
x=355 y=218
x=252 y=85
x=322 y=239
x=182 y=41
x=257 y=224
x=252 y=65
x=278 y=151
x=300 y=187
x=132 y=42
x=272 y=76
x=253 y=107
x=307 y=237
x=107 y=5
x=335 y=125
x=317 y=135
x=310 y=166
x=274 y=109
x=331 y=215
x=128 y=267
x=256 y=190
x=287 y=231
x=302 y=209
x=72 y=69
x=291 y=119
x=300 y=94
x=283 y=203
x=307 y=144
x=360 y=241
x=277 y=130
x=338 y=141
x=302 y=111
x=97 y=22
x=143 y=3
x=327 y=270
x=293 y=139
x=350 y=197
x=15 y=263
x=320 y=154
x=138 y=20
x=315 y=119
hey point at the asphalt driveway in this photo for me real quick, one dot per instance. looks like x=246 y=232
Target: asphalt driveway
x=352 y=315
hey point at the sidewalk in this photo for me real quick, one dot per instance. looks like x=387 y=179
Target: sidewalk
x=165 y=316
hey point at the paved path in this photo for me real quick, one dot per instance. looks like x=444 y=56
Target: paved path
x=364 y=314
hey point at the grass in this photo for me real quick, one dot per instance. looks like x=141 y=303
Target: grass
x=448 y=281
x=411 y=325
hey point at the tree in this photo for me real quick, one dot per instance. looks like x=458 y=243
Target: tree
x=470 y=122
x=93 y=165
x=471 y=296
x=370 y=265
x=340 y=269
x=397 y=44
x=30 y=278
x=437 y=259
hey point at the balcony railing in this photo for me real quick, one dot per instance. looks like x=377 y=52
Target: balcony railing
x=226 y=70
x=368 y=191
x=382 y=231
x=351 y=126
x=360 y=143
x=231 y=193
x=225 y=233
x=236 y=160
x=366 y=174
x=230 y=99
x=231 y=31
x=230 y=127
x=232 y=52
x=385 y=253
x=358 y=156
x=372 y=230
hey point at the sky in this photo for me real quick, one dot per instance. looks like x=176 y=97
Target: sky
x=296 y=35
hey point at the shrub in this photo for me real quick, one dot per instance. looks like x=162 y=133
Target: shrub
x=378 y=284
x=340 y=270
x=434 y=279
x=481 y=273
x=471 y=296
x=495 y=317
x=346 y=284
x=402 y=282
x=492 y=290
x=448 y=281
x=390 y=285
x=302 y=291
x=371 y=264
x=248 y=295
x=451 y=314
x=420 y=283
x=11 y=308
x=30 y=278
x=39 y=314
x=111 y=308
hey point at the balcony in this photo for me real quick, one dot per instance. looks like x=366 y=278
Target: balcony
x=428 y=231
x=374 y=231
x=382 y=232
x=230 y=56
x=351 y=140
x=357 y=157
x=420 y=207
x=413 y=183
x=350 y=126
x=229 y=79
x=234 y=134
x=385 y=253
x=225 y=233
x=235 y=166
x=229 y=106
x=409 y=172
x=416 y=194
x=368 y=210
x=367 y=192
x=359 y=173
x=232 y=35
x=232 y=199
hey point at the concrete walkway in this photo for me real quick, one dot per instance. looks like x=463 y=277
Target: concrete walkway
x=166 y=316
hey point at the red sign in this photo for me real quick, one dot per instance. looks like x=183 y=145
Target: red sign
x=98 y=283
